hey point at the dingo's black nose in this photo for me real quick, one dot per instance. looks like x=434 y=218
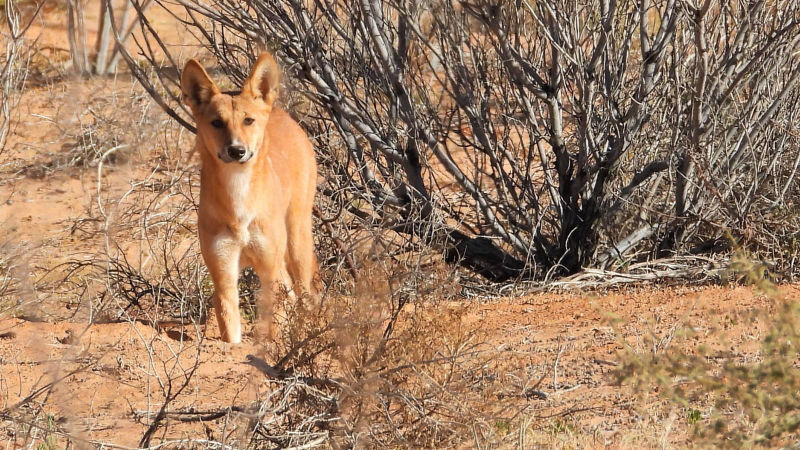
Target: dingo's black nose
x=236 y=151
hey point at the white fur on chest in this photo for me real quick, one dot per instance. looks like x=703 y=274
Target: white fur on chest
x=237 y=187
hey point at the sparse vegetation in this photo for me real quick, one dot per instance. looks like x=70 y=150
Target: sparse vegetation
x=748 y=400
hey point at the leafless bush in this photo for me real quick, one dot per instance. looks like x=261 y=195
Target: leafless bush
x=536 y=138
x=107 y=126
x=28 y=421
x=148 y=265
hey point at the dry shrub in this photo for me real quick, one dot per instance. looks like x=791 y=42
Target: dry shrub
x=729 y=398
x=9 y=283
x=392 y=365
x=14 y=71
x=29 y=425
x=107 y=124
x=149 y=266
x=138 y=256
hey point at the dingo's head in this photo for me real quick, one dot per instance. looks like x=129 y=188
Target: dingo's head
x=231 y=127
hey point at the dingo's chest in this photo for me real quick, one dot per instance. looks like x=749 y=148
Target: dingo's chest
x=250 y=242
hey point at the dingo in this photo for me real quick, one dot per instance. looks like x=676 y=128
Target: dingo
x=257 y=188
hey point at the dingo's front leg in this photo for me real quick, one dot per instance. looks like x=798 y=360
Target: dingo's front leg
x=222 y=259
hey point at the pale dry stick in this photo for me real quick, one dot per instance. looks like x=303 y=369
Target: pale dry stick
x=561 y=349
x=662 y=344
x=127 y=32
x=105 y=57
x=523 y=430
x=475 y=437
x=668 y=428
x=76 y=36
x=101 y=45
x=100 y=162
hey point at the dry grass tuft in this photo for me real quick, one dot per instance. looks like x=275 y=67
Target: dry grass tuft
x=390 y=366
x=725 y=395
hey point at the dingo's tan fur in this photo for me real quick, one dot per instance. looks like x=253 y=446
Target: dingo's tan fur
x=256 y=189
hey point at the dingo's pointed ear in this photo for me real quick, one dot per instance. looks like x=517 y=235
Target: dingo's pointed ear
x=196 y=86
x=264 y=79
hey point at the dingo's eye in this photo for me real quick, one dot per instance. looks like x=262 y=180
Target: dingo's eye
x=249 y=120
x=217 y=123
